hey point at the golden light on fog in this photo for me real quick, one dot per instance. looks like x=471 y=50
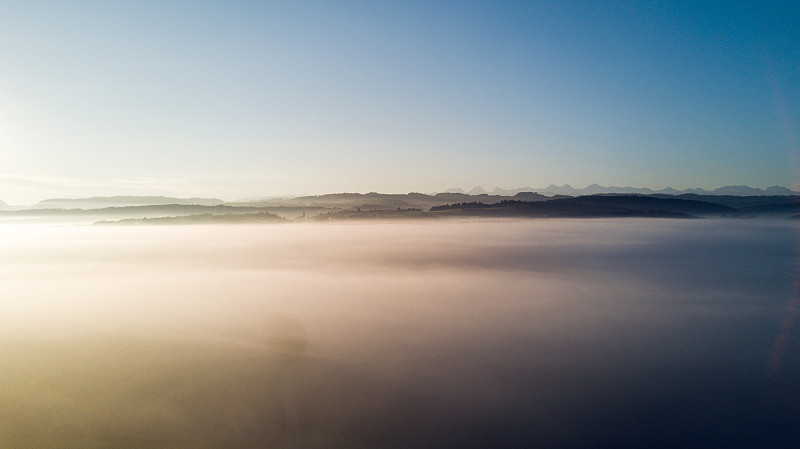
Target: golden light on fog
x=358 y=334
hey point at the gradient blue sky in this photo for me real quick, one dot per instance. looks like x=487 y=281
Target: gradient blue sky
x=238 y=99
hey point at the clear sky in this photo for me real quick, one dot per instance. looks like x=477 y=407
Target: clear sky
x=238 y=99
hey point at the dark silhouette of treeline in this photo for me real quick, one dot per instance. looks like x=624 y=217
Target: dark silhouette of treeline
x=366 y=213
x=591 y=206
x=618 y=205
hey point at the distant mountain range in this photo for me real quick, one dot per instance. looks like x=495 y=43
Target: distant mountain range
x=594 y=189
x=99 y=202
x=383 y=200
x=552 y=201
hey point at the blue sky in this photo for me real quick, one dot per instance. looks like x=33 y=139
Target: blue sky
x=238 y=99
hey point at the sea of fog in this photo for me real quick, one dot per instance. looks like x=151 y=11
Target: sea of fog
x=627 y=333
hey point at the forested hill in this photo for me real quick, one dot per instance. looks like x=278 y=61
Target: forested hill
x=594 y=206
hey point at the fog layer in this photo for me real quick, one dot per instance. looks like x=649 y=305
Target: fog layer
x=536 y=333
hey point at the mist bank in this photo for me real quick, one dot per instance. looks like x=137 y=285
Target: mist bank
x=502 y=333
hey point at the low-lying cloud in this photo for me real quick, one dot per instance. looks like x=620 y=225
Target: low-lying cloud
x=533 y=333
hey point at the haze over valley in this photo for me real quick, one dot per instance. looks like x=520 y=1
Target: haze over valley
x=420 y=224
x=436 y=334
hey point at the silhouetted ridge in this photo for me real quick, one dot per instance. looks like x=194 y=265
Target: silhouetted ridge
x=649 y=203
x=594 y=206
x=419 y=205
x=98 y=202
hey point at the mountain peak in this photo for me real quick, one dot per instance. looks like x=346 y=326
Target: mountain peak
x=454 y=190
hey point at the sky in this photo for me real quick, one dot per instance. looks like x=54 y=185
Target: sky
x=243 y=99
